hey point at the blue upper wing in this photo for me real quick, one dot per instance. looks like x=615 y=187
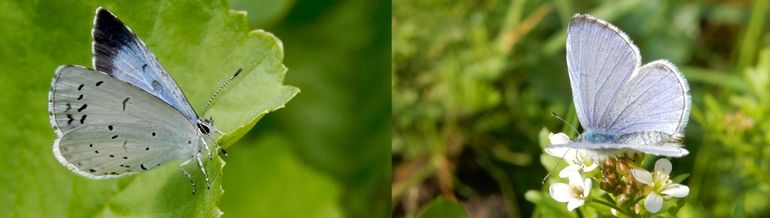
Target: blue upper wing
x=601 y=60
x=122 y=55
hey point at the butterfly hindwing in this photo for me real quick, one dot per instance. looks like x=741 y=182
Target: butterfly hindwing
x=656 y=99
x=106 y=127
x=121 y=54
x=664 y=149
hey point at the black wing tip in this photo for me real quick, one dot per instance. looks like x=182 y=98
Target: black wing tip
x=109 y=34
x=105 y=19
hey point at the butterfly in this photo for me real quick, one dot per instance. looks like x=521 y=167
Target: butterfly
x=128 y=115
x=621 y=104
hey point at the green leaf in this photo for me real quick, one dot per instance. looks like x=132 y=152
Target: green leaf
x=442 y=208
x=680 y=178
x=200 y=43
x=277 y=184
x=263 y=12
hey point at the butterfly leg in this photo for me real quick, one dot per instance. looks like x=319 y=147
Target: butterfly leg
x=181 y=167
x=206 y=146
x=203 y=169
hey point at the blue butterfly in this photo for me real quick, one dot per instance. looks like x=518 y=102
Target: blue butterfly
x=621 y=104
x=128 y=115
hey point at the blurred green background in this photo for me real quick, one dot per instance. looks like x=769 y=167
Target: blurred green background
x=324 y=155
x=337 y=53
x=475 y=82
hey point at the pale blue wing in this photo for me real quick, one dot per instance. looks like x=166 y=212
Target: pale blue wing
x=662 y=149
x=121 y=54
x=106 y=127
x=656 y=99
x=600 y=60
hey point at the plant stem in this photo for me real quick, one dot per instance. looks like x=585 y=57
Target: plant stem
x=611 y=205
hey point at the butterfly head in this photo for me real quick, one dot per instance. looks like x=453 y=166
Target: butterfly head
x=205 y=126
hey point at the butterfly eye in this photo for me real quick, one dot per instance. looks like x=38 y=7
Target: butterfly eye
x=203 y=128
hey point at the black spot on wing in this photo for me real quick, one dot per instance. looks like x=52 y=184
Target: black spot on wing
x=82 y=107
x=142 y=166
x=157 y=87
x=109 y=127
x=124 y=103
x=99 y=83
x=70 y=119
x=83 y=119
x=80 y=87
x=80 y=97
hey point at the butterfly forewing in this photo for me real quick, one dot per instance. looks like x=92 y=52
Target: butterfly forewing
x=121 y=54
x=107 y=127
x=600 y=60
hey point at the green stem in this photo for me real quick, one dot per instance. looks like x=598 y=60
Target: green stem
x=611 y=205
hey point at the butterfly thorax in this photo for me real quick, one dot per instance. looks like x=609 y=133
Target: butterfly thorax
x=599 y=136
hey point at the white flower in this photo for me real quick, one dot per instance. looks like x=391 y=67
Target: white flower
x=660 y=184
x=576 y=158
x=575 y=193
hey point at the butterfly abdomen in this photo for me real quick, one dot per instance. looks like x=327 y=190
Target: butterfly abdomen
x=599 y=136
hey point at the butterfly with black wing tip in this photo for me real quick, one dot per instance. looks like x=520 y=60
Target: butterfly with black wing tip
x=128 y=115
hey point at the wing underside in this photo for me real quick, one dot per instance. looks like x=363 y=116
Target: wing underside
x=106 y=127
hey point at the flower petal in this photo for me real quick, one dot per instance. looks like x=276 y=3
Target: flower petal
x=642 y=175
x=653 y=202
x=560 y=192
x=590 y=167
x=569 y=170
x=663 y=165
x=575 y=203
x=560 y=152
x=676 y=190
x=558 y=138
x=586 y=188
x=575 y=180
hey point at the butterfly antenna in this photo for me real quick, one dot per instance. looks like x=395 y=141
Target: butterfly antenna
x=565 y=122
x=211 y=100
x=554 y=167
x=218 y=146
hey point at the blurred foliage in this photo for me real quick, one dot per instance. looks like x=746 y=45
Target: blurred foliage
x=324 y=155
x=337 y=52
x=442 y=208
x=474 y=83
